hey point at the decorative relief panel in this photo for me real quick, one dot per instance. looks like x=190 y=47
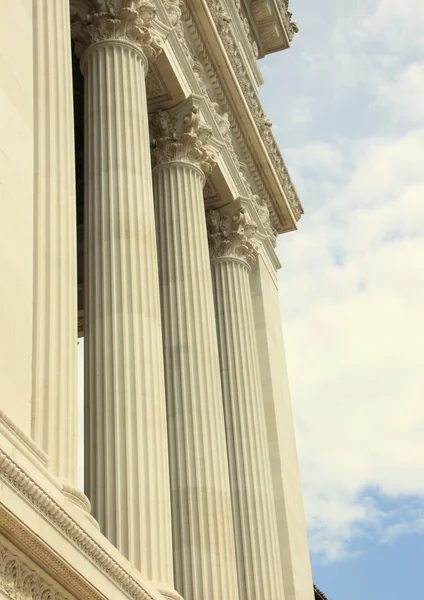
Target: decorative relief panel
x=20 y=582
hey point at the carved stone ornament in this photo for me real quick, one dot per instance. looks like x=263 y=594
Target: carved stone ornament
x=291 y=26
x=250 y=93
x=18 y=581
x=173 y=10
x=125 y=20
x=181 y=137
x=263 y=213
x=230 y=236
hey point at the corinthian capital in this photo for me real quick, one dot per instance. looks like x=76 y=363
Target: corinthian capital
x=230 y=236
x=181 y=137
x=125 y=20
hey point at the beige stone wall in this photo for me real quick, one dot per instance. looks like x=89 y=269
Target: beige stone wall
x=281 y=435
x=16 y=209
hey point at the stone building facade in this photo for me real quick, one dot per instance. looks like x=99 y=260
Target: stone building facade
x=142 y=193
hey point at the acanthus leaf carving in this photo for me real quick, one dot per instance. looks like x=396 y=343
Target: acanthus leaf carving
x=126 y=20
x=230 y=236
x=20 y=582
x=182 y=137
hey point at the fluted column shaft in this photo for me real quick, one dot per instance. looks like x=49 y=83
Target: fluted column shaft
x=126 y=460
x=258 y=556
x=54 y=369
x=204 y=554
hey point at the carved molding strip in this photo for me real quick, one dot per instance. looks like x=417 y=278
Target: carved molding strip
x=12 y=431
x=19 y=480
x=19 y=581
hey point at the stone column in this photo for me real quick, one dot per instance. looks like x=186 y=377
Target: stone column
x=258 y=555
x=54 y=411
x=204 y=554
x=126 y=461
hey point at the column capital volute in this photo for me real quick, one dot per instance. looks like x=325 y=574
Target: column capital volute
x=178 y=135
x=125 y=21
x=230 y=236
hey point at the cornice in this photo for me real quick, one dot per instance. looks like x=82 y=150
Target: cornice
x=258 y=147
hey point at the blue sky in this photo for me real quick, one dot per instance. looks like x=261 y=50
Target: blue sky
x=347 y=104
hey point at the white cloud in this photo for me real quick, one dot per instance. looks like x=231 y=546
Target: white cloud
x=352 y=298
x=398 y=24
x=353 y=278
x=403 y=93
x=316 y=157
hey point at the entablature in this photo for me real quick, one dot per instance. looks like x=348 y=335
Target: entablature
x=237 y=97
